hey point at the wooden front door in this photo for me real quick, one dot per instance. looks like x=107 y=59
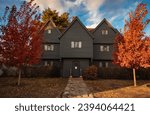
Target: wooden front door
x=75 y=69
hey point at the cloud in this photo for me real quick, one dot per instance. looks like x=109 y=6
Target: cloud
x=115 y=13
x=89 y=7
x=91 y=12
x=53 y=4
x=92 y=25
x=113 y=18
x=94 y=13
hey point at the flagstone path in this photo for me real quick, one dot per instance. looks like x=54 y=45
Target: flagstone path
x=76 y=88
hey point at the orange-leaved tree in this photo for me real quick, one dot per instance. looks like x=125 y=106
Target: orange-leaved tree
x=21 y=36
x=132 y=48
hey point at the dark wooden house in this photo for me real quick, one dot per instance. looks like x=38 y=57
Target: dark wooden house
x=77 y=48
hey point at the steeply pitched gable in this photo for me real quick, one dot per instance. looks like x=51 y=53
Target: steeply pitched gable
x=53 y=36
x=109 y=25
x=76 y=33
x=50 y=24
x=82 y=25
x=102 y=38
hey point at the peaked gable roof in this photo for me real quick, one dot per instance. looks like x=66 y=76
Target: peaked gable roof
x=109 y=25
x=53 y=37
x=72 y=23
x=51 y=25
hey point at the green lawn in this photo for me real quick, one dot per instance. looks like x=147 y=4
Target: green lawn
x=32 y=87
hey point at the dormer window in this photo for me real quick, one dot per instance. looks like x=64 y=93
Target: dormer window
x=49 y=31
x=104 y=32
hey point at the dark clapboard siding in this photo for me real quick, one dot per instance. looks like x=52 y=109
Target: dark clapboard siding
x=68 y=58
x=104 y=40
x=76 y=32
x=71 y=56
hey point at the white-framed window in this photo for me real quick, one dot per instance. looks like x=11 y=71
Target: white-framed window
x=49 y=47
x=107 y=48
x=45 y=47
x=72 y=44
x=80 y=44
x=76 y=44
x=49 y=31
x=45 y=63
x=104 y=32
x=48 y=63
x=106 y=64
x=104 y=48
x=100 y=64
x=51 y=63
x=101 y=48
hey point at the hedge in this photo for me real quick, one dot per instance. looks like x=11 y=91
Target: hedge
x=123 y=73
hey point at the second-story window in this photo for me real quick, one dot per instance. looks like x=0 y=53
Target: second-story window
x=104 y=48
x=104 y=32
x=76 y=44
x=72 y=44
x=49 y=47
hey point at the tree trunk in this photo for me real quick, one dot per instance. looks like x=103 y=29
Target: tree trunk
x=19 y=77
x=134 y=76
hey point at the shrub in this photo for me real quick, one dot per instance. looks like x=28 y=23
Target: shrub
x=123 y=73
x=90 y=73
x=44 y=71
x=143 y=73
x=114 y=73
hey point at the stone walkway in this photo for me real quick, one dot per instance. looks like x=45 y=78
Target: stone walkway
x=76 y=88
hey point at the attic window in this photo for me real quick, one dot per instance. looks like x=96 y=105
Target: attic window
x=49 y=31
x=104 y=32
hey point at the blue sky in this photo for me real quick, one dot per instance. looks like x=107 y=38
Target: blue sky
x=90 y=12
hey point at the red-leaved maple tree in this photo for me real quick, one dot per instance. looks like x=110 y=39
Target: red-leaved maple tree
x=132 y=49
x=21 y=36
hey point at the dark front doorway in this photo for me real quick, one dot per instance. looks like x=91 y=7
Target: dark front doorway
x=75 y=69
